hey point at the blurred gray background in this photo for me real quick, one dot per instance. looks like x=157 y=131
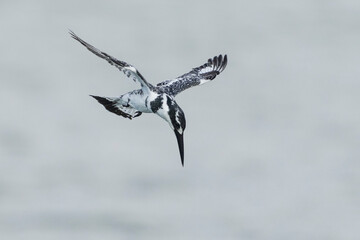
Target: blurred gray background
x=271 y=145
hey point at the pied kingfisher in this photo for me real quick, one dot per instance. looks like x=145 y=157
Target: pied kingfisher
x=157 y=99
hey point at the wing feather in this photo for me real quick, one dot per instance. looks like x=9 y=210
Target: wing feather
x=127 y=69
x=115 y=106
x=196 y=76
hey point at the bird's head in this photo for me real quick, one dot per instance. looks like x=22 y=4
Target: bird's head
x=178 y=124
x=174 y=115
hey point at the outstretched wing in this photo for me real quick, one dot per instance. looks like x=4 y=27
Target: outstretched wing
x=127 y=69
x=197 y=76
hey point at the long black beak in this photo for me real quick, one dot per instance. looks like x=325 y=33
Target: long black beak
x=180 y=140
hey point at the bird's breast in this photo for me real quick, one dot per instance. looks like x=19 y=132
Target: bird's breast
x=138 y=101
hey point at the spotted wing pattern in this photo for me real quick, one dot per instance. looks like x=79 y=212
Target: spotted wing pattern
x=127 y=69
x=196 y=76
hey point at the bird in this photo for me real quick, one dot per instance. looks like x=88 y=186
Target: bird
x=158 y=99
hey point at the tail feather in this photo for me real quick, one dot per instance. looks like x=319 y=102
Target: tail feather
x=112 y=105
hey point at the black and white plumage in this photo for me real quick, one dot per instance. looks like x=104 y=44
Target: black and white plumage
x=157 y=99
x=197 y=76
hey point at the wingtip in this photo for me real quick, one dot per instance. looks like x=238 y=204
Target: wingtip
x=219 y=61
x=77 y=38
x=224 y=63
x=97 y=97
x=72 y=34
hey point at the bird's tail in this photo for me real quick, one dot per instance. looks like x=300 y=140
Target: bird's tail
x=114 y=105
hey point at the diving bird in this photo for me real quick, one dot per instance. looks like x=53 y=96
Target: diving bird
x=159 y=99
